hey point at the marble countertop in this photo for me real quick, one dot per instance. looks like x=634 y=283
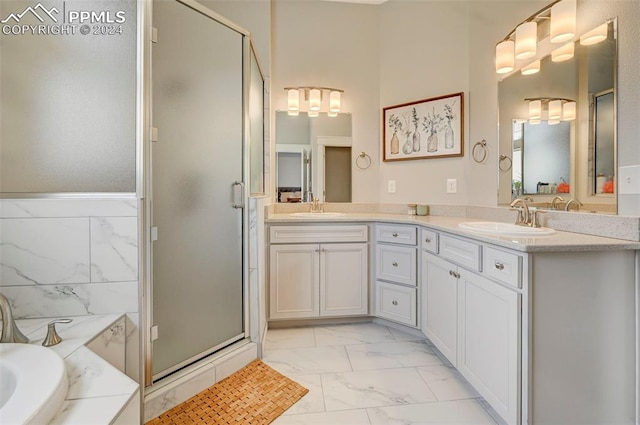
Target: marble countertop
x=560 y=241
x=97 y=390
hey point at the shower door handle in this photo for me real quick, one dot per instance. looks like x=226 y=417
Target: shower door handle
x=238 y=194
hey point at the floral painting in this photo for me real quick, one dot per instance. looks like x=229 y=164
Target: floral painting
x=430 y=128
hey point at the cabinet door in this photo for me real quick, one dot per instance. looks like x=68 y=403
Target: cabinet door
x=293 y=281
x=343 y=279
x=490 y=342
x=440 y=304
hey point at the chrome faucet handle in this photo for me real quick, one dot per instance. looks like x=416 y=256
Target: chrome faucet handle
x=52 y=337
x=534 y=217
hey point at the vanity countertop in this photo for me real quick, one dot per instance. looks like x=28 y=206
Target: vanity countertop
x=98 y=391
x=558 y=242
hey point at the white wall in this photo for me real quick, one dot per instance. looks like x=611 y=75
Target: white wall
x=333 y=45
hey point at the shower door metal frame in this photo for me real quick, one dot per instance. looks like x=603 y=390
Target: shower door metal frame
x=146 y=183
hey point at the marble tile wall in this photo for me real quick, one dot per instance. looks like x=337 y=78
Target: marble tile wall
x=72 y=257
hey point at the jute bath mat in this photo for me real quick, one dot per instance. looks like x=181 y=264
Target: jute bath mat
x=254 y=395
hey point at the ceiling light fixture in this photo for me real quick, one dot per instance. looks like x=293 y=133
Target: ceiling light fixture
x=314 y=97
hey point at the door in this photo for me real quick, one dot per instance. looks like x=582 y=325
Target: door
x=197 y=68
x=337 y=174
x=343 y=279
x=489 y=342
x=293 y=281
x=440 y=301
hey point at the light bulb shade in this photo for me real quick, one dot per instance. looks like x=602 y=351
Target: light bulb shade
x=535 y=110
x=532 y=68
x=563 y=21
x=596 y=35
x=315 y=99
x=293 y=100
x=313 y=114
x=293 y=113
x=334 y=101
x=534 y=121
x=569 y=111
x=553 y=122
x=332 y=114
x=563 y=53
x=526 y=40
x=504 y=57
x=555 y=110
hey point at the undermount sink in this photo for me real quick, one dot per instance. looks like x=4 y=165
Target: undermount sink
x=317 y=214
x=505 y=229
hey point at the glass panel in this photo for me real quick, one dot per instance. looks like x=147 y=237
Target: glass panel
x=197 y=259
x=546 y=153
x=256 y=123
x=604 y=141
x=68 y=100
x=337 y=174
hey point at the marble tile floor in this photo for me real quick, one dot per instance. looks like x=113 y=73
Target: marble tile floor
x=371 y=374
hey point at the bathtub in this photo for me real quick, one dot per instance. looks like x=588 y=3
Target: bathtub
x=33 y=384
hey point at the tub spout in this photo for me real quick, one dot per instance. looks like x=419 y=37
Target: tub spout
x=10 y=331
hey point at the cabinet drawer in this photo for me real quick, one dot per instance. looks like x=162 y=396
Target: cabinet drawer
x=462 y=252
x=405 y=235
x=397 y=303
x=503 y=266
x=429 y=240
x=318 y=234
x=396 y=263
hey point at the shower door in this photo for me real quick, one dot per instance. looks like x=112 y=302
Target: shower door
x=197 y=215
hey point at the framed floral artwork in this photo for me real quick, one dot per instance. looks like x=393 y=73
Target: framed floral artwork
x=430 y=128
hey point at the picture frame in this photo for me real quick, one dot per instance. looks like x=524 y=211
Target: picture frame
x=425 y=129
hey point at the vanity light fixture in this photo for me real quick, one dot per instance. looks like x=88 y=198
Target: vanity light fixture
x=535 y=109
x=557 y=109
x=530 y=69
x=534 y=122
x=596 y=35
x=313 y=96
x=563 y=53
x=313 y=114
x=522 y=41
x=569 y=111
x=553 y=122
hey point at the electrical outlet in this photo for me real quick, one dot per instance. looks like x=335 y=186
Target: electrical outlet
x=452 y=186
x=391 y=186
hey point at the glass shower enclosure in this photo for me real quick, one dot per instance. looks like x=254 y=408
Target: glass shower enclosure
x=197 y=199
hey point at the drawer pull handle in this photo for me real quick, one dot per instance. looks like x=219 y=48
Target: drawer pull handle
x=499 y=265
x=454 y=274
x=395 y=235
x=394 y=264
x=427 y=240
x=394 y=302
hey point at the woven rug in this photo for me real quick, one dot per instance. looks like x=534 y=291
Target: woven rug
x=256 y=395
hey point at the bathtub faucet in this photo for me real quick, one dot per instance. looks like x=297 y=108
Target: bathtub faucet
x=10 y=331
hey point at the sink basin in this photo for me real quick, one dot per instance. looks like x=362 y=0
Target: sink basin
x=505 y=229
x=33 y=386
x=317 y=214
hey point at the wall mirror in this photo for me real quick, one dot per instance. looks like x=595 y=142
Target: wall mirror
x=571 y=156
x=313 y=157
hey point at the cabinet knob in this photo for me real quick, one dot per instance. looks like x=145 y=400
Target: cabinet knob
x=499 y=265
x=394 y=264
x=427 y=240
x=394 y=302
x=395 y=235
x=452 y=273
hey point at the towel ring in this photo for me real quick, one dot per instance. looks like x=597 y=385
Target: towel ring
x=363 y=157
x=479 y=151
x=508 y=166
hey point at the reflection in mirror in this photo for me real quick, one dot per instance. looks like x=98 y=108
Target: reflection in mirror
x=588 y=141
x=535 y=171
x=313 y=157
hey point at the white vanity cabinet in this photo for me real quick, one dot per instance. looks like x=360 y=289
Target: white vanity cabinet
x=396 y=296
x=323 y=274
x=475 y=321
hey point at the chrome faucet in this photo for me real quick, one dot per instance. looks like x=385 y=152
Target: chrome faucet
x=315 y=206
x=10 y=331
x=555 y=201
x=571 y=202
x=521 y=206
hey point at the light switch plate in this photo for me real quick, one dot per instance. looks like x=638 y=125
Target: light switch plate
x=391 y=186
x=452 y=186
x=629 y=180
